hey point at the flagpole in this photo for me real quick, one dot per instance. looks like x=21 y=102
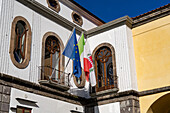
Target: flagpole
x=69 y=58
x=60 y=57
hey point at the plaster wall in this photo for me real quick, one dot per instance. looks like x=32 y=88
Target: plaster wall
x=7 y=8
x=66 y=13
x=152 y=46
x=147 y=101
x=120 y=38
x=0 y=6
x=42 y=105
x=39 y=26
x=108 y=108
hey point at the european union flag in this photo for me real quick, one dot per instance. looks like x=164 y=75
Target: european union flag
x=71 y=51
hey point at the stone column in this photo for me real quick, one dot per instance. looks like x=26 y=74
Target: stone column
x=5 y=92
x=130 y=106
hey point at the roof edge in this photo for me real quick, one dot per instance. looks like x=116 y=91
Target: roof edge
x=126 y=20
x=82 y=11
x=151 y=15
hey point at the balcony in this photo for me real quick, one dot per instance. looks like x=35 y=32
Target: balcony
x=54 y=78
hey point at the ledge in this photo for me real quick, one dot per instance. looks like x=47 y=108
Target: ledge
x=75 y=111
x=31 y=87
x=54 y=84
x=106 y=92
x=21 y=99
x=154 y=91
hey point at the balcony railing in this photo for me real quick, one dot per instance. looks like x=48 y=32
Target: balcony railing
x=53 y=77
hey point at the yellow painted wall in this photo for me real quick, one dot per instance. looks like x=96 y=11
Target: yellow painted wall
x=152 y=57
x=146 y=101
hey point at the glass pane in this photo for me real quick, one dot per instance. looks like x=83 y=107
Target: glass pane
x=53 y=3
x=104 y=67
x=55 y=59
x=22 y=44
x=20 y=28
x=19 y=110
x=27 y=111
x=109 y=72
x=52 y=51
x=19 y=41
x=100 y=70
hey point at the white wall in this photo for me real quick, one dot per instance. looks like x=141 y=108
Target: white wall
x=108 y=108
x=7 y=8
x=39 y=26
x=132 y=58
x=43 y=105
x=0 y=7
x=120 y=38
x=66 y=13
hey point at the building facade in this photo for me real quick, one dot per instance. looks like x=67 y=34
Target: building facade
x=37 y=78
x=151 y=46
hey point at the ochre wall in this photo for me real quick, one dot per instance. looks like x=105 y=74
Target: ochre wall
x=152 y=57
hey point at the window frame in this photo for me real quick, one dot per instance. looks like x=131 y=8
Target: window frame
x=23 y=109
x=61 y=60
x=55 y=9
x=80 y=23
x=82 y=84
x=27 y=45
x=113 y=64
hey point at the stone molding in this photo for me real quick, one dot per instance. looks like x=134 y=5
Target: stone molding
x=57 y=9
x=80 y=20
x=62 y=58
x=82 y=84
x=48 y=13
x=28 y=86
x=27 y=53
x=113 y=60
x=151 y=16
x=126 y=20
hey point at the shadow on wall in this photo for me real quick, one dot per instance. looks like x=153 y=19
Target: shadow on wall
x=92 y=108
x=161 y=105
x=27 y=102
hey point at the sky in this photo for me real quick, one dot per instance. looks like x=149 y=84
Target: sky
x=108 y=10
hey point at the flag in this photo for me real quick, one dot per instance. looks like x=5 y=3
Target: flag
x=71 y=51
x=88 y=62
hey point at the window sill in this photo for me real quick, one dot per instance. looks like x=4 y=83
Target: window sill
x=52 y=84
x=105 y=92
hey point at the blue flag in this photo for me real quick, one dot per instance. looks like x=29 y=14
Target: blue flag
x=71 y=51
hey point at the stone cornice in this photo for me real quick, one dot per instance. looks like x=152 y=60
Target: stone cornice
x=111 y=97
x=84 y=12
x=39 y=89
x=126 y=20
x=151 y=15
x=50 y=14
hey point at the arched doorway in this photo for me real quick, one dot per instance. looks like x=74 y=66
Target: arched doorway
x=161 y=105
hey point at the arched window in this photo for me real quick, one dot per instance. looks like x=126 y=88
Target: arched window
x=20 y=45
x=105 y=67
x=51 y=57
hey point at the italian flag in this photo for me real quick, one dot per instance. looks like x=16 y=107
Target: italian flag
x=85 y=53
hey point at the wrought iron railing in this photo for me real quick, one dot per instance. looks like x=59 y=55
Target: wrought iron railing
x=51 y=74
